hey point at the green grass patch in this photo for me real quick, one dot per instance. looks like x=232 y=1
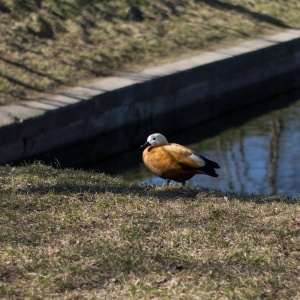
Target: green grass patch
x=69 y=234
x=47 y=45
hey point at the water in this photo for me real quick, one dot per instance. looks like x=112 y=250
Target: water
x=258 y=153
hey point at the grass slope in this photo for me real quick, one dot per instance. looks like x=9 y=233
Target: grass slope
x=48 y=45
x=69 y=234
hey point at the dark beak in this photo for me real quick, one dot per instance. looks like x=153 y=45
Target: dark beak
x=145 y=145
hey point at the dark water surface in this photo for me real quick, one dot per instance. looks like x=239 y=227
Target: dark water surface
x=259 y=155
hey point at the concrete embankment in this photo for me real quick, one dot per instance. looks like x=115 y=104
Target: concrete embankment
x=208 y=85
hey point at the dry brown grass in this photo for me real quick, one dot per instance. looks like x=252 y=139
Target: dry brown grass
x=48 y=45
x=69 y=234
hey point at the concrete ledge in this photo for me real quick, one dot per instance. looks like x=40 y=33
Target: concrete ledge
x=215 y=82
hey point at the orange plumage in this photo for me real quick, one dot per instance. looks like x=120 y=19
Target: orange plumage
x=173 y=161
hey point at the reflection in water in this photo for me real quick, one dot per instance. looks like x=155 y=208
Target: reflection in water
x=260 y=156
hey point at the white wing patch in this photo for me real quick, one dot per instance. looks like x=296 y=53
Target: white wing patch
x=197 y=160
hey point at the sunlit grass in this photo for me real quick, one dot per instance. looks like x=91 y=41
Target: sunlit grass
x=47 y=46
x=70 y=234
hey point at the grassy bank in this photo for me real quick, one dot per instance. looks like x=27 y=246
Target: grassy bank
x=77 y=235
x=47 y=45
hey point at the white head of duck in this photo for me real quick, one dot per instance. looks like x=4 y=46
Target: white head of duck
x=155 y=140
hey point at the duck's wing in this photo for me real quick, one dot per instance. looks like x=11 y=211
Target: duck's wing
x=185 y=156
x=190 y=158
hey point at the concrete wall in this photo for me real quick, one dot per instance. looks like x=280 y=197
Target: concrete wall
x=213 y=84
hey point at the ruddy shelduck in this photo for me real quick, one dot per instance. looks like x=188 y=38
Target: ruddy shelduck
x=172 y=161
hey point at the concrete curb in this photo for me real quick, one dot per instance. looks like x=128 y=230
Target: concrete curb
x=215 y=82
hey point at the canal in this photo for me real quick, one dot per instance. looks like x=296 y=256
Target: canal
x=258 y=149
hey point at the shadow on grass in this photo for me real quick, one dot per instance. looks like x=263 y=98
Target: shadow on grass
x=19 y=65
x=240 y=9
x=162 y=193
x=20 y=83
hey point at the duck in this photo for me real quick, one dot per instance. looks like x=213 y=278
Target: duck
x=173 y=161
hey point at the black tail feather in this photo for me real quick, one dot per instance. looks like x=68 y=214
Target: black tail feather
x=209 y=171
x=210 y=163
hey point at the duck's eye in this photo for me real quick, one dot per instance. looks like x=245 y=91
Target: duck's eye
x=154 y=139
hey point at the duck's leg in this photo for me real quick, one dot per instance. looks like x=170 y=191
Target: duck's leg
x=183 y=183
x=168 y=181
